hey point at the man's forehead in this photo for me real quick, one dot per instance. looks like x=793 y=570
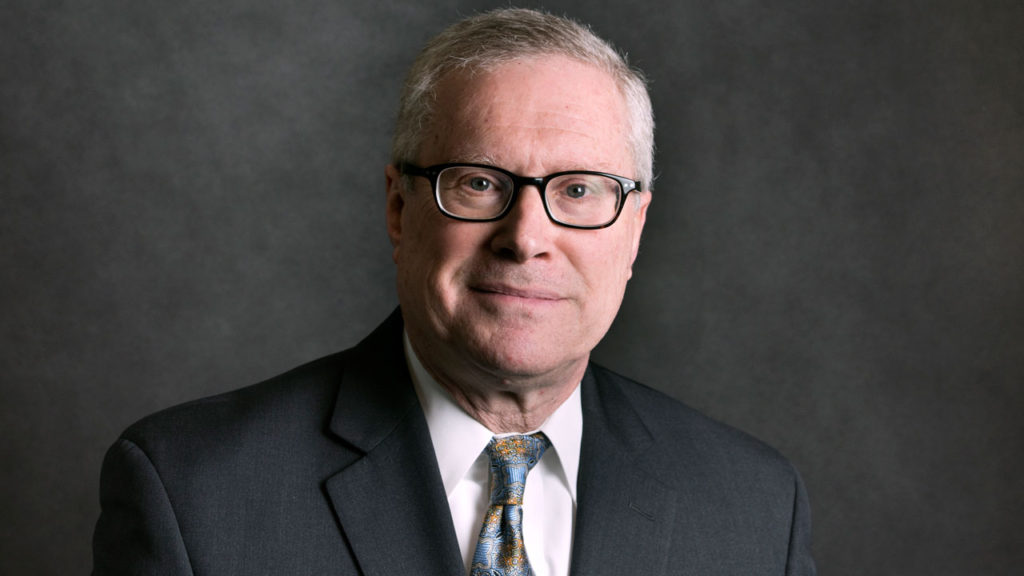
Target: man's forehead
x=548 y=100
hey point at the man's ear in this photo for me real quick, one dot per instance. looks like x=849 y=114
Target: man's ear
x=395 y=205
x=643 y=200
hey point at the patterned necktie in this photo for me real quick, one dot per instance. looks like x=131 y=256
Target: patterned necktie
x=500 y=551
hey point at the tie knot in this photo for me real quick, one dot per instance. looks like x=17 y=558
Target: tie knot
x=512 y=457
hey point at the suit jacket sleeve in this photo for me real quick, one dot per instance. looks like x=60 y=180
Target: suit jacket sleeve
x=137 y=532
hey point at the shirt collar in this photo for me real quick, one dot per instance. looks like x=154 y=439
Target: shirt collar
x=458 y=439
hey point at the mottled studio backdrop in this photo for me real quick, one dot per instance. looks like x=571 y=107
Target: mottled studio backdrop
x=191 y=199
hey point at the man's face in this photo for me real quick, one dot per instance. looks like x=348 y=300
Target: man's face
x=520 y=298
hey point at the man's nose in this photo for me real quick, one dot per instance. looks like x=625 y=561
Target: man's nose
x=526 y=231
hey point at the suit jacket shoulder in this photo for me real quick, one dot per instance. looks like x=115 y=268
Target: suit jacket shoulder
x=693 y=495
x=274 y=410
x=314 y=471
x=676 y=426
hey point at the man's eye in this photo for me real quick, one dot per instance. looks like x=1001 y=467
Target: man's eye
x=480 y=184
x=575 y=191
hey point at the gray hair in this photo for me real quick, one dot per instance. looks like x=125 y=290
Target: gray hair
x=485 y=41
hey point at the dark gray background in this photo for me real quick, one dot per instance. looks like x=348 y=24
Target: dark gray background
x=191 y=199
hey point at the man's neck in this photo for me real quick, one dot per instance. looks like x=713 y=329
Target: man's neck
x=508 y=412
x=503 y=403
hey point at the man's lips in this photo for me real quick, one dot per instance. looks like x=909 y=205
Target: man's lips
x=526 y=293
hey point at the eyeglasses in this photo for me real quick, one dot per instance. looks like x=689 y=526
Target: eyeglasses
x=482 y=193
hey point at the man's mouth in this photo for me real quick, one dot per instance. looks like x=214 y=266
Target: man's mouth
x=523 y=292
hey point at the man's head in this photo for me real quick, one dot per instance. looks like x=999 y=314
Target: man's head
x=484 y=42
x=515 y=303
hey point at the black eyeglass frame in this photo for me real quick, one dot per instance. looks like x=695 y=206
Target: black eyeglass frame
x=432 y=173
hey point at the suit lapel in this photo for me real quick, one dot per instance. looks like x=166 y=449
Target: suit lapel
x=390 y=502
x=624 y=514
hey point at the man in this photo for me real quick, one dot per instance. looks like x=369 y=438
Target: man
x=470 y=434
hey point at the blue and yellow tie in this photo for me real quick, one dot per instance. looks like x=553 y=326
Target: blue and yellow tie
x=501 y=551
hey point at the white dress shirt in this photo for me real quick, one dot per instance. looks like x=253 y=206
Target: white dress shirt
x=549 y=503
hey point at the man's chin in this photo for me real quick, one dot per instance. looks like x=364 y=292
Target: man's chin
x=528 y=361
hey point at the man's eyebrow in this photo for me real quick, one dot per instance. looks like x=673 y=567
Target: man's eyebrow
x=473 y=158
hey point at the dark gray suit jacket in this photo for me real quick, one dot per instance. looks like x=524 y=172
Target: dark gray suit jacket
x=329 y=469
